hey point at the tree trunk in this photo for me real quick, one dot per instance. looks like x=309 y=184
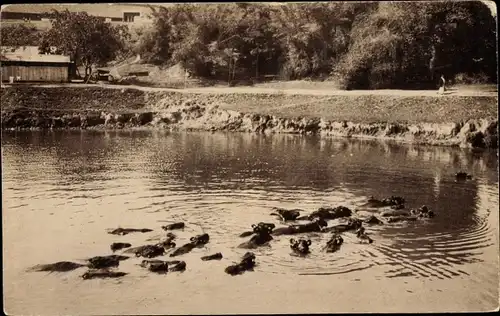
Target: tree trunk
x=234 y=68
x=88 y=72
x=432 y=62
x=399 y=67
x=229 y=72
x=257 y=67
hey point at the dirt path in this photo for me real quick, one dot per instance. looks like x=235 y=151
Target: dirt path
x=489 y=90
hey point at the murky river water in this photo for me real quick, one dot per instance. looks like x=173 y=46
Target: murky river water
x=61 y=191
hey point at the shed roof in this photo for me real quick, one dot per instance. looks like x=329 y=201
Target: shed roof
x=30 y=54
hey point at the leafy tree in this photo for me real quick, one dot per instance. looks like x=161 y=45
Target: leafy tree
x=372 y=45
x=18 y=35
x=89 y=40
x=311 y=37
x=168 y=30
x=409 y=43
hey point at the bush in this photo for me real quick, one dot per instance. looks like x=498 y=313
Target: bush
x=17 y=35
x=407 y=44
x=362 y=45
x=463 y=78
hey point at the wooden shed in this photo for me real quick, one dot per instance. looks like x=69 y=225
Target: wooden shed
x=27 y=65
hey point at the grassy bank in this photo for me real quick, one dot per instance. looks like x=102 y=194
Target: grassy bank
x=464 y=119
x=371 y=109
x=395 y=106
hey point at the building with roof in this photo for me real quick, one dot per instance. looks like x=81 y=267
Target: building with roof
x=112 y=12
x=26 y=64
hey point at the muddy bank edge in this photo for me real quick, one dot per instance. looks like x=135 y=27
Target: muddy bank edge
x=449 y=120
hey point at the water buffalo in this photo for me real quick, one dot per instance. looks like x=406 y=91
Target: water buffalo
x=316 y=226
x=61 y=266
x=171 y=236
x=151 y=251
x=328 y=213
x=334 y=243
x=373 y=220
x=398 y=206
x=412 y=215
x=352 y=224
x=167 y=244
x=247 y=264
x=270 y=226
x=262 y=235
x=119 y=245
x=395 y=213
x=423 y=211
x=195 y=242
x=147 y=263
x=102 y=273
x=125 y=231
x=173 y=226
x=179 y=267
x=301 y=246
x=397 y=219
x=103 y=262
x=160 y=267
x=168 y=238
x=215 y=256
x=391 y=201
x=286 y=215
x=202 y=239
x=362 y=236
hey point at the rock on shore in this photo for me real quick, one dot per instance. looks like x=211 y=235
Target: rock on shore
x=53 y=108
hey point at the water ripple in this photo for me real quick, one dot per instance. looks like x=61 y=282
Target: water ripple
x=223 y=188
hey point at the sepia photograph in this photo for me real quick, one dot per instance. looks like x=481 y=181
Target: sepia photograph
x=250 y=158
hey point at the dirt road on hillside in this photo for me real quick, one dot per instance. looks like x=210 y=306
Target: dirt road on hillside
x=486 y=90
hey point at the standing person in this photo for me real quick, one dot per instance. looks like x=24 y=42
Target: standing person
x=442 y=83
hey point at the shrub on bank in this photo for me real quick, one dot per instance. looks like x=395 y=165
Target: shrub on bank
x=464 y=78
x=410 y=44
x=363 y=45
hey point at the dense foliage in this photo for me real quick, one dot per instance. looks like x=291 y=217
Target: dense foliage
x=409 y=44
x=87 y=39
x=18 y=35
x=363 y=45
x=360 y=45
x=251 y=40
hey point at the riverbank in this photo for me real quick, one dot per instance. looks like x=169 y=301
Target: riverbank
x=458 y=118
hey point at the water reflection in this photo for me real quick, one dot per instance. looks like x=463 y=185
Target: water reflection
x=437 y=184
x=224 y=182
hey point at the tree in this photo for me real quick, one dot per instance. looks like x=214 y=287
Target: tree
x=89 y=40
x=314 y=36
x=210 y=40
x=370 y=44
x=18 y=35
x=406 y=44
x=169 y=29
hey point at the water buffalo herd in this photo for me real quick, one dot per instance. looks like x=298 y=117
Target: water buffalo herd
x=296 y=222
